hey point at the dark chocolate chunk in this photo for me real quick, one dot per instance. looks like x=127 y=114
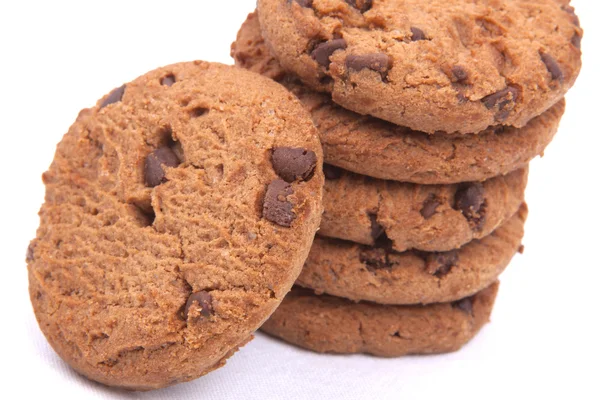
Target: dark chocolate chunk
x=294 y=164
x=154 y=172
x=276 y=207
x=323 y=51
x=376 y=229
x=430 y=206
x=552 y=66
x=361 y=5
x=30 y=255
x=332 y=172
x=465 y=305
x=576 y=40
x=303 y=3
x=378 y=62
x=501 y=99
x=571 y=11
x=439 y=264
x=375 y=258
x=202 y=300
x=470 y=200
x=503 y=102
x=417 y=34
x=114 y=97
x=460 y=74
x=168 y=80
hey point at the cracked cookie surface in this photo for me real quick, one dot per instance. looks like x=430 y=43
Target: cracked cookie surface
x=379 y=274
x=376 y=148
x=453 y=66
x=422 y=217
x=328 y=324
x=178 y=213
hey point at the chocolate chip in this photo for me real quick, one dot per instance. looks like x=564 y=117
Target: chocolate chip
x=501 y=98
x=361 y=5
x=168 y=80
x=302 y=3
x=376 y=229
x=294 y=164
x=571 y=11
x=323 y=51
x=462 y=99
x=417 y=34
x=430 y=206
x=552 y=66
x=499 y=130
x=470 y=200
x=460 y=74
x=203 y=300
x=521 y=249
x=503 y=101
x=332 y=172
x=465 y=305
x=439 y=264
x=276 y=207
x=576 y=40
x=375 y=258
x=154 y=172
x=29 y=256
x=114 y=97
x=378 y=62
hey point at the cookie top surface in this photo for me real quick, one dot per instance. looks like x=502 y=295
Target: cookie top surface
x=178 y=214
x=376 y=148
x=453 y=66
x=410 y=216
x=378 y=274
x=327 y=324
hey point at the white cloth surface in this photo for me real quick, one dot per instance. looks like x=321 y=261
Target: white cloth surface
x=59 y=56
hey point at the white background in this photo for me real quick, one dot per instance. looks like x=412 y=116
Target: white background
x=57 y=57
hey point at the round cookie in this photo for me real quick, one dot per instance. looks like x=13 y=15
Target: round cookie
x=383 y=150
x=327 y=324
x=178 y=214
x=454 y=66
x=423 y=217
x=378 y=274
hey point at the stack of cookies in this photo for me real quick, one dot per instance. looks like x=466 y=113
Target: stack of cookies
x=183 y=206
x=428 y=114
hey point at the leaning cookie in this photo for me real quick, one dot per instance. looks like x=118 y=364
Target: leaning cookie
x=377 y=274
x=376 y=148
x=453 y=66
x=423 y=217
x=327 y=324
x=178 y=214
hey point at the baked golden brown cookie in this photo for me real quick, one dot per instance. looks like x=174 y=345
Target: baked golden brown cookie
x=454 y=66
x=178 y=214
x=327 y=324
x=423 y=217
x=372 y=147
x=378 y=274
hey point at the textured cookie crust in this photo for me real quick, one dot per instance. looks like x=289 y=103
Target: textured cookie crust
x=423 y=217
x=164 y=240
x=377 y=274
x=383 y=150
x=327 y=324
x=453 y=66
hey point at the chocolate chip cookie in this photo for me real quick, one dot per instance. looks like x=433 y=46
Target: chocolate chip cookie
x=178 y=213
x=423 y=217
x=327 y=324
x=454 y=66
x=378 y=274
x=383 y=150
